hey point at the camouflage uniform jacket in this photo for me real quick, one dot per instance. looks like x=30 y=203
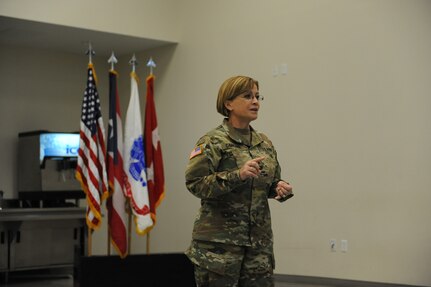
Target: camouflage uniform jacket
x=232 y=211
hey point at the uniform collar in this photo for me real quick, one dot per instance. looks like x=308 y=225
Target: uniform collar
x=235 y=136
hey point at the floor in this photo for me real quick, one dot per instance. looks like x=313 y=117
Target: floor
x=38 y=281
x=67 y=281
x=63 y=277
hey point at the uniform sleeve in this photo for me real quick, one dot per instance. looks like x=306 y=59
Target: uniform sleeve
x=277 y=172
x=272 y=193
x=202 y=178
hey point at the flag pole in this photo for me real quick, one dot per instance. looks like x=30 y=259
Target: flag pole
x=132 y=62
x=129 y=231
x=90 y=52
x=152 y=65
x=148 y=242
x=109 y=242
x=112 y=60
x=89 y=241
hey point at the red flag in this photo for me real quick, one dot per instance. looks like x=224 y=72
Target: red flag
x=91 y=167
x=153 y=152
x=118 y=184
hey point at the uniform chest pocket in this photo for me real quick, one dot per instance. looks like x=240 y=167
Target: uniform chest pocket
x=267 y=166
x=233 y=158
x=267 y=169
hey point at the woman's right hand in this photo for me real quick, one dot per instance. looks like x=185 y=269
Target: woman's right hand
x=250 y=168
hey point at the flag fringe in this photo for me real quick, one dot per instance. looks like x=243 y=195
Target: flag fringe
x=118 y=250
x=153 y=214
x=96 y=213
x=135 y=76
x=91 y=66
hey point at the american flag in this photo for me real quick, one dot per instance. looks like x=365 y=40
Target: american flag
x=118 y=183
x=91 y=168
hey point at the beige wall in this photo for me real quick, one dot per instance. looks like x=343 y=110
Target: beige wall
x=350 y=121
x=132 y=17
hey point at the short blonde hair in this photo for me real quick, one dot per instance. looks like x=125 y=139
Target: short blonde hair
x=231 y=88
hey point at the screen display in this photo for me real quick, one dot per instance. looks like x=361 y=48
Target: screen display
x=58 y=145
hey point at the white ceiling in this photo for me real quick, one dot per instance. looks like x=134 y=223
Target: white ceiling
x=23 y=33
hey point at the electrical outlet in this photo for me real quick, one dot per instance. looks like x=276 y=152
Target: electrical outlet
x=275 y=71
x=283 y=69
x=333 y=245
x=344 y=245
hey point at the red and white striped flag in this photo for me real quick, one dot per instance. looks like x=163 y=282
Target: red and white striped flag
x=153 y=152
x=118 y=184
x=91 y=168
x=134 y=161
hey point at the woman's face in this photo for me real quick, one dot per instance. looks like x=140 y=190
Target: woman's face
x=244 y=108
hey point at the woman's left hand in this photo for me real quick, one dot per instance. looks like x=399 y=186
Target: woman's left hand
x=283 y=189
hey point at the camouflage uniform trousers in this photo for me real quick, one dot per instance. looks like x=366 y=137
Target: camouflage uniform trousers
x=224 y=265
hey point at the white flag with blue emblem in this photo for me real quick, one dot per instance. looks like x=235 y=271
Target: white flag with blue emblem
x=134 y=161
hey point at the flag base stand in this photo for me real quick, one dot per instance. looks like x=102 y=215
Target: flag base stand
x=172 y=269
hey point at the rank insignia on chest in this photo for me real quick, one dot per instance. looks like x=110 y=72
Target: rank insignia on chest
x=197 y=151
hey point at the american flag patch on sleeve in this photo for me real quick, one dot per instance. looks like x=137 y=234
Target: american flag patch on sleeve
x=196 y=151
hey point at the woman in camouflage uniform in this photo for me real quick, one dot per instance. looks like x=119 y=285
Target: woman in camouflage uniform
x=234 y=170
